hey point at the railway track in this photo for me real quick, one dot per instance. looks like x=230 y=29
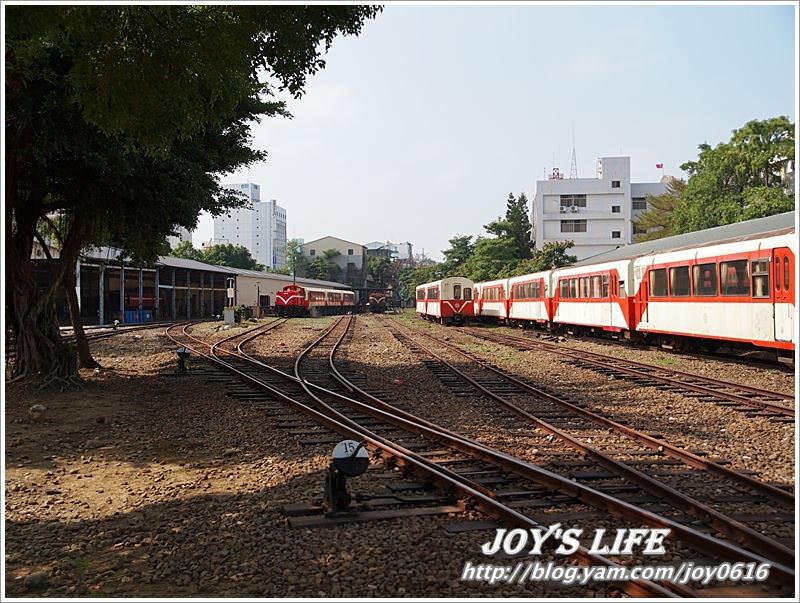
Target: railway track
x=751 y=401
x=679 y=477
x=449 y=460
x=92 y=334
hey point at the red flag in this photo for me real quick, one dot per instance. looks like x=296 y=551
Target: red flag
x=660 y=165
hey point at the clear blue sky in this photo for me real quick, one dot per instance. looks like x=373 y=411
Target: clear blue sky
x=419 y=128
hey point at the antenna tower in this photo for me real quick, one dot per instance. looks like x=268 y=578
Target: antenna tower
x=573 y=166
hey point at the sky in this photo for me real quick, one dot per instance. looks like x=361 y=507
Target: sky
x=418 y=129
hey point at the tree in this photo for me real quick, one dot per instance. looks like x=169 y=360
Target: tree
x=227 y=254
x=656 y=222
x=296 y=262
x=492 y=258
x=460 y=250
x=120 y=121
x=410 y=278
x=379 y=271
x=552 y=255
x=516 y=225
x=721 y=182
x=325 y=268
x=186 y=250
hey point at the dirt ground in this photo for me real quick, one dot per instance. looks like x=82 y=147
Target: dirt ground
x=144 y=483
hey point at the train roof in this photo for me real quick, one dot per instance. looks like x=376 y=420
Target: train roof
x=749 y=229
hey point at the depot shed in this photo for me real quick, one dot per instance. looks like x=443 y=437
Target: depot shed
x=258 y=289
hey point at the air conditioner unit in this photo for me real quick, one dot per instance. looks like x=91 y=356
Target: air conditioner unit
x=575 y=209
x=563 y=209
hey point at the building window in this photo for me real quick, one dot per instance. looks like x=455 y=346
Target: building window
x=639 y=203
x=349 y=252
x=615 y=209
x=616 y=234
x=615 y=184
x=573 y=225
x=573 y=200
x=313 y=252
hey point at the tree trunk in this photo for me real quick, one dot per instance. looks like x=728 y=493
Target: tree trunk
x=40 y=351
x=85 y=359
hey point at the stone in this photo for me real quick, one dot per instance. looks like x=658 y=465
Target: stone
x=37 y=580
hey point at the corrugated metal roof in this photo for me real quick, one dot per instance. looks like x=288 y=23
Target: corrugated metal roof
x=700 y=238
x=172 y=262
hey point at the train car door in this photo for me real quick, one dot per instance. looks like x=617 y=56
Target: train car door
x=783 y=287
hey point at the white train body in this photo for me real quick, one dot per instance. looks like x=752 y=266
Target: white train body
x=733 y=292
x=742 y=291
x=530 y=297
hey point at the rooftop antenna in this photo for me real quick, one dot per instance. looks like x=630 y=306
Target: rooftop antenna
x=573 y=166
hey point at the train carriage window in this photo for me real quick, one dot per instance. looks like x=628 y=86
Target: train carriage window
x=705 y=279
x=433 y=293
x=786 y=272
x=605 y=286
x=597 y=286
x=679 y=281
x=537 y=290
x=456 y=291
x=564 y=284
x=584 y=287
x=777 y=274
x=760 y=276
x=467 y=293
x=658 y=282
x=420 y=294
x=733 y=277
x=573 y=288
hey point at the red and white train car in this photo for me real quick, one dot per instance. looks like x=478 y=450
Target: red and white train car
x=731 y=286
x=492 y=299
x=448 y=301
x=530 y=298
x=294 y=300
x=594 y=297
x=738 y=292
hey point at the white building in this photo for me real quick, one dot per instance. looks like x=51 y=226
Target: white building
x=395 y=251
x=183 y=234
x=595 y=213
x=261 y=228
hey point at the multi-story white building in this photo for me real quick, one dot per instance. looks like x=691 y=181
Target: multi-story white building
x=395 y=251
x=595 y=213
x=183 y=234
x=261 y=228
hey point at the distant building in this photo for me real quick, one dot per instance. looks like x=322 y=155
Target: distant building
x=260 y=228
x=394 y=251
x=351 y=259
x=183 y=234
x=596 y=213
x=787 y=177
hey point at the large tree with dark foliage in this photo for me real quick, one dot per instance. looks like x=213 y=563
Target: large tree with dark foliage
x=738 y=180
x=120 y=121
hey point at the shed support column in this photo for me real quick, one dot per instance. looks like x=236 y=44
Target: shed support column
x=122 y=293
x=188 y=293
x=141 y=289
x=78 y=282
x=202 y=295
x=174 y=306
x=102 y=301
x=157 y=297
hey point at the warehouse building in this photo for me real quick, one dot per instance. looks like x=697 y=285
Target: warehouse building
x=173 y=289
